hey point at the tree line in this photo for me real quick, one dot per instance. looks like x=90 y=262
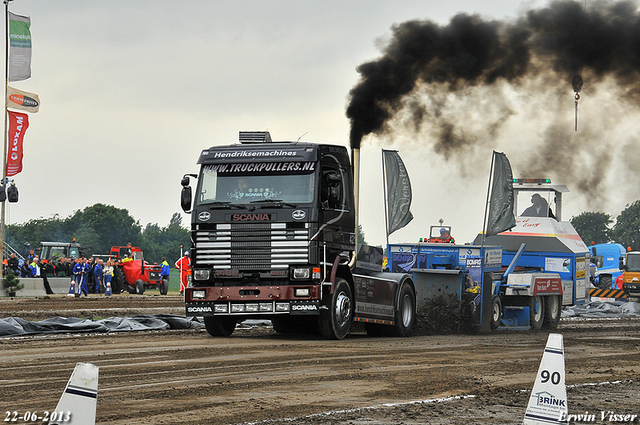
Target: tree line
x=98 y=228
x=595 y=227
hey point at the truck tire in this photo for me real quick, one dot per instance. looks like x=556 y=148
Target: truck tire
x=335 y=320
x=406 y=313
x=536 y=312
x=605 y=281
x=164 y=287
x=552 y=311
x=220 y=326
x=139 y=286
x=496 y=312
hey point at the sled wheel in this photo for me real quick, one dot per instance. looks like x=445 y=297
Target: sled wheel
x=335 y=320
x=220 y=326
x=552 y=311
x=406 y=313
x=496 y=312
x=536 y=312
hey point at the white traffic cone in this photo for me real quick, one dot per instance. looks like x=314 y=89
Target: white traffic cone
x=72 y=288
x=107 y=292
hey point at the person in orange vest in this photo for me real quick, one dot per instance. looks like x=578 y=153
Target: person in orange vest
x=184 y=265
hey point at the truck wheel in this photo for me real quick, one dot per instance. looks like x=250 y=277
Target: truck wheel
x=536 y=312
x=139 y=286
x=335 y=320
x=130 y=289
x=605 y=282
x=220 y=326
x=406 y=313
x=164 y=287
x=552 y=311
x=496 y=312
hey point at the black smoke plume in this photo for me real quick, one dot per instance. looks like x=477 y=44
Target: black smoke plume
x=427 y=70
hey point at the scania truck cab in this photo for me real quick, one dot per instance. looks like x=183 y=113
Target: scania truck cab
x=273 y=232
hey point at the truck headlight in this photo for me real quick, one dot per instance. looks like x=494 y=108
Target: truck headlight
x=301 y=273
x=198 y=294
x=201 y=274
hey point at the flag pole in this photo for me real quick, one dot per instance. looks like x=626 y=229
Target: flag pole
x=384 y=191
x=486 y=204
x=4 y=155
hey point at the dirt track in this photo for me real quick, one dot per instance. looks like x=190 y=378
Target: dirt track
x=187 y=377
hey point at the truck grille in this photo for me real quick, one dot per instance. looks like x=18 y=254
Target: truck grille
x=252 y=246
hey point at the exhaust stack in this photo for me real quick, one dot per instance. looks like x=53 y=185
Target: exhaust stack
x=355 y=162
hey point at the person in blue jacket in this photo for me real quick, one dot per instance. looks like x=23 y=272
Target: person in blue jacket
x=165 y=271
x=98 y=275
x=80 y=271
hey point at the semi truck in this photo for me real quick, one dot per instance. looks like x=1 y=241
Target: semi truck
x=606 y=257
x=273 y=233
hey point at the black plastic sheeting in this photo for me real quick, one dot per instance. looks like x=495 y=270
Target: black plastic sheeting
x=15 y=326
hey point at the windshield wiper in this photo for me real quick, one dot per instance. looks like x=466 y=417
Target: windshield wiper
x=221 y=204
x=276 y=202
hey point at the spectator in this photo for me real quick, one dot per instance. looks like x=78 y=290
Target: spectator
x=38 y=270
x=14 y=264
x=97 y=276
x=80 y=271
x=91 y=282
x=107 y=271
x=25 y=271
x=165 y=270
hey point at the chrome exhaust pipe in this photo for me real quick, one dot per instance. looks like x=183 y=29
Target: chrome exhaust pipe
x=355 y=160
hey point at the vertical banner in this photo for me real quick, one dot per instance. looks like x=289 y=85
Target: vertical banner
x=398 y=191
x=18 y=124
x=501 y=216
x=19 y=47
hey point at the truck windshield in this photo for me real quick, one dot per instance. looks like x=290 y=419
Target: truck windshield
x=215 y=187
x=633 y=262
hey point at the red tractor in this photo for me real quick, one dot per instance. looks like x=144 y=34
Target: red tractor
x=133 y=274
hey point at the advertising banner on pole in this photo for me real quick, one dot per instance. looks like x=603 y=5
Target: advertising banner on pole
x=398 y=191
x=25 y=101
x=18 y=124
x=19 y=47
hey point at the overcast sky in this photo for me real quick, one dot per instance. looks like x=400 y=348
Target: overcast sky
x=132 y=91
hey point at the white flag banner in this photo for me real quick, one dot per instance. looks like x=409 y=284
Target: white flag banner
x=19 y=47
x=25 y=101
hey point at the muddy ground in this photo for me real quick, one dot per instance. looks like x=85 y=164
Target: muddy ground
x=258 y=376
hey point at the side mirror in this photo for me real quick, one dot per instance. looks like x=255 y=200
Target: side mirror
x=185 y=181
x=185 y=197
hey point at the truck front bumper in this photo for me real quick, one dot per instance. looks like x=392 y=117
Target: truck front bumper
x=252 y=301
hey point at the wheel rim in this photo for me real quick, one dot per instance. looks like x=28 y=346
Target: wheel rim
x=496 y=312
x=407 y=314
x=343 y=308
x=537 y=307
